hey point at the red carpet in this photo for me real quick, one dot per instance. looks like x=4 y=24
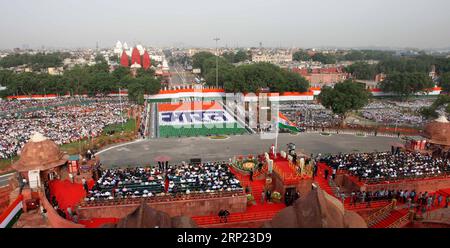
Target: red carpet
x=444 y=192
x=70 y=194
x=97 y=222
x=391 y=218
x=260 y=211
x=320 y=178
x=67 y=193
x=359 y=206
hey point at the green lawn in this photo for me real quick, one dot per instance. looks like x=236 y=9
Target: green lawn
x=5 y=163
x=128 y=126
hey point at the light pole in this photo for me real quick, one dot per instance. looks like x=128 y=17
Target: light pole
x=217 y=64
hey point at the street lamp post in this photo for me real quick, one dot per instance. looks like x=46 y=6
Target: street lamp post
x=217 y=64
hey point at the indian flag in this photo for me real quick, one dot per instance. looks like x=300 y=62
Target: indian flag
x=284 y=122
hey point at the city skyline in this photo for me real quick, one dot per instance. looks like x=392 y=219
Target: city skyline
x=286 y=23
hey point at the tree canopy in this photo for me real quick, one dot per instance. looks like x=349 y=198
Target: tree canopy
x=441 y=101
x=324 y=58
x=89 y=80
x=199 y=58
x=344 y=97
x=253 y=77
x=37 y=61
x=236 y=57
x=405 y=84
x=362 y=70
x=301 y=56
x=445 y=82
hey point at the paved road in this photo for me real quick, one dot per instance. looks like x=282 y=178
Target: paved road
x=183 y=149
x=179 y=76
x=4 y=179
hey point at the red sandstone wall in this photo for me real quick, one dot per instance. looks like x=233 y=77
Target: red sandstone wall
x=304 y=187
x=419 y=186
x=175 y=208
x=417 y=224
x=4 y=197
x=54 y=219
x=248 y=224
x=344 y=182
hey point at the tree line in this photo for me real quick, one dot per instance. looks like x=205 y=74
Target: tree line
x=91 y=80
x=249 y=77
x=352 y=55
x=37 y=61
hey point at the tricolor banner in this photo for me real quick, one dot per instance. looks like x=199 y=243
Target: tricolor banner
x=193 y=113
x=284 y=122
x=12 y=213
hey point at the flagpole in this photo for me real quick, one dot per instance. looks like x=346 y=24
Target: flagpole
x=277 y=118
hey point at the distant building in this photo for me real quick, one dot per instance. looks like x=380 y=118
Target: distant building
x=55 y=70
x=318 y=77
x=274 y=58
x=138 y=60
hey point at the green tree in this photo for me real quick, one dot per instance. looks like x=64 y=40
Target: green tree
x=362 y=70
x=344 y=97
x=209 y=70
x=445 y=81
x=120 y=73
x=229 y=56
x=240 y=56
x=406 y=84
x=99 y=58
x=324 y=58
x=253 y=77
x=354 y=55
x=141 y=72
x=37 y=61
x=429 y=113
x=137 y=87
x=199 y=58
x=301 y=56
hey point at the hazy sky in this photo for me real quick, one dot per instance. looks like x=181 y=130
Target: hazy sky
x=302 y=23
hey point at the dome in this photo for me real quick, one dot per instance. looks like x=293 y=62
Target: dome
x=438 y=131
x=135 y=56
x=135 y=66
x=124 y=61
x=119 y=45
x=147 y=217
x=39 y=153
x=141 y=49
x=146 y=62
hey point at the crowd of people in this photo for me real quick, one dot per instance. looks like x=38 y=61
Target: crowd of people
x=393 y=113
x=309 y=115
x=119 y=183
x=200 y=178
x=164 y=179
x=423 y=200
x=61 y=123
x=395 y=165
x=383 y=112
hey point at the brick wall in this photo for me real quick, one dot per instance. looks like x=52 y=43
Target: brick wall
x=4 y=197
x=53 y=217
x=174 y=208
